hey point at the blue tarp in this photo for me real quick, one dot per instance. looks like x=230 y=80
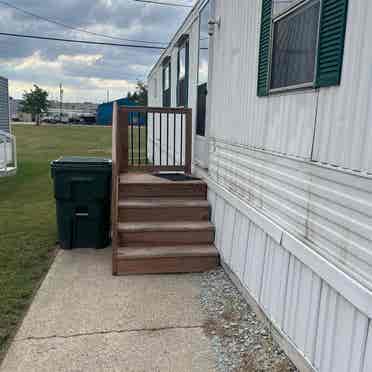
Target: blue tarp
x=104 y=111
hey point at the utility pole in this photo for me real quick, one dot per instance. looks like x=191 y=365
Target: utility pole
x=60 y=101
x=108 y=95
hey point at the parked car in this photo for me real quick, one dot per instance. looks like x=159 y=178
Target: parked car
x=49 y=120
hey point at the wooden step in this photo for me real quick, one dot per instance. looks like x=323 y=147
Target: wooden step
x=163 y=209
x=174 y=259
x=165 y=233
x=134 y=185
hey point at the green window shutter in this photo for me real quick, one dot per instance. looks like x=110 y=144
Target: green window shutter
x=331 y=42
x=264 y=50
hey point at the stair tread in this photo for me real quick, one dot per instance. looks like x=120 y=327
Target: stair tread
x=167 y=251
x=165 y=226
x=147 y=178
x=161 y=203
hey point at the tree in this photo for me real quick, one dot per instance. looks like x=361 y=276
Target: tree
x=35 y=102
x=139 y=96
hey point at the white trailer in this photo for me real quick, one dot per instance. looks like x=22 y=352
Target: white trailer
x=281 y=94
x=8 y=163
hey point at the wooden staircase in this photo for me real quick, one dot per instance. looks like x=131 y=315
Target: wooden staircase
x=163 y=226
x=158 y=225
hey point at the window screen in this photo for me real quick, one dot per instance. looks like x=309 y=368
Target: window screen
x=204 y=45
x=166 y=77
x=294 y=46
x=182 y=62
x=183 y=74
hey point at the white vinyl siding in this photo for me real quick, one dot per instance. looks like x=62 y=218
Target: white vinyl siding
x=4 y=105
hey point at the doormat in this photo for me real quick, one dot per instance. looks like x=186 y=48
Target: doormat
x=177 y=177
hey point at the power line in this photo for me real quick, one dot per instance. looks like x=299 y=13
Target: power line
x=163 y=3
x=50 y=20
x=82 y=41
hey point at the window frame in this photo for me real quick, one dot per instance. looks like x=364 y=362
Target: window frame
x=167 y=64
x=183 y=44
x=283 y=14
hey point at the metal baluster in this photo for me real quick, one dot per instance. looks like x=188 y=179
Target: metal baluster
x=167 y=138
x=161 y=132
x=153 y=138
x=147 y=137
x=174 y=138
x=132 y=136
x=181 y=154
x=139 y=137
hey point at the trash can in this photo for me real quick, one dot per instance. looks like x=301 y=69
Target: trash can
x=82 y=189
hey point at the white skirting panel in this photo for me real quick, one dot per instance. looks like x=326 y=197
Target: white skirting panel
x=328 y=332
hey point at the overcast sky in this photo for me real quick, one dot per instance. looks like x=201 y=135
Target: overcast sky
x=85 y=71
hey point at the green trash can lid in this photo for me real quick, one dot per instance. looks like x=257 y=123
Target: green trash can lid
x=81 y=162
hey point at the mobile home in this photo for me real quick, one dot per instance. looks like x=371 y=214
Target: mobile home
x=281 y=97
x=7 y=140
x=4 y=106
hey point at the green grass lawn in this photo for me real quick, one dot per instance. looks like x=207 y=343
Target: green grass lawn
x=28 y=231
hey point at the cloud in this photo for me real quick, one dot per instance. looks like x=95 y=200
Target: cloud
x=85 y=71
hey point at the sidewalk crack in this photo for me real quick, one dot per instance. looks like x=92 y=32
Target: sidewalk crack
x=113 y=331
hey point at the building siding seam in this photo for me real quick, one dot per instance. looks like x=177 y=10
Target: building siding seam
x=242 y=148
x=354 y=292
x=327 y=209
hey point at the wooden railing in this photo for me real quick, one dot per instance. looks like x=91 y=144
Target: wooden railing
x=153 y=139
x=147 y=139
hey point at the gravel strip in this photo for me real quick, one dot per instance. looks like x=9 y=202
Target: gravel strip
x=241 y=341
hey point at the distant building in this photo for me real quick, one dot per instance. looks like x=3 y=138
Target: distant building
x=104 y=111
x=72 y=109
x=16 y=113
x=13 y=108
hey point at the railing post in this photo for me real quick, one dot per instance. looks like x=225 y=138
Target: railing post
x=188 y=144
x=115 y=186
x=123 y=126
x=115 y=139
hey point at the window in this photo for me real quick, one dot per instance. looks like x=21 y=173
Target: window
x=301 y=44
x=182 y=63
x=155 y=87
x=204 y=45
x=183 y=73
x=167 y=83
x=295 y=38
x=203 y=70
x=279 y=6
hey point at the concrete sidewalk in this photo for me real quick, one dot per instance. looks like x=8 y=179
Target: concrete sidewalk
x=84 y=319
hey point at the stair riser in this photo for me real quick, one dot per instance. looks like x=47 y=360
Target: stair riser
x=163 y=214
x=172 y=190
x=167 y=265
x=160 y=238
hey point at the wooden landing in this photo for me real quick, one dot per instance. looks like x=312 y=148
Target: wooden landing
x=163 y=226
